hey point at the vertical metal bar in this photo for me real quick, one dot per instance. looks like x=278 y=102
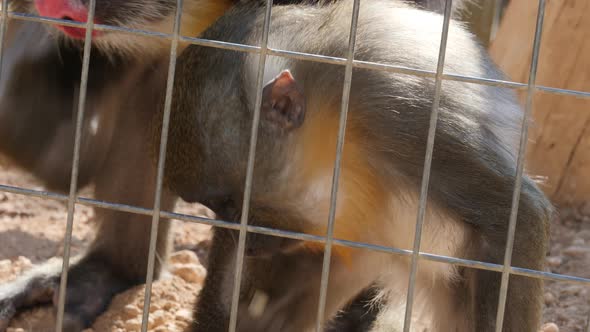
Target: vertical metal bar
x=427 y=164
x=498 y=5
x=520 y=167
x=337 y=166
x=161 y=163
x=233 y=320
x=3 y=26
x=75 y=166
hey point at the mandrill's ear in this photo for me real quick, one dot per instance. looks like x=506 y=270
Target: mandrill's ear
x=283 y=102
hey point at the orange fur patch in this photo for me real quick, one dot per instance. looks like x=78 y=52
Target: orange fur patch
x=199 y=15
x=361 y=196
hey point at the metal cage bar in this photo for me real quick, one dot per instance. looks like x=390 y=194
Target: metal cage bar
x=233 y=320
x=519 y=168
x=295 y=235
x=75 y=166
x=309 y=56
x=427 y=164
x=337 y=166
x=498 y=4
x=3 y=26
x=161 y=165
x=263 y=50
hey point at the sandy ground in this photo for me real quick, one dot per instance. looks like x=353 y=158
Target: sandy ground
x=31 y=231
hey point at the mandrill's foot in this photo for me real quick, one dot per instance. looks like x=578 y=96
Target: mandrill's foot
x=91 y=285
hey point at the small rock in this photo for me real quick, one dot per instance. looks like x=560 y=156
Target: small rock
x=192 y=273
x=23 y=262
x=158 y=318
x=154 y=307
x=182 y=325
x=184 y=257
x=549 y=298
x=133 y=324
x=572 y=290
x=562 y=317
x=172 y=297
x=585 y=209
x=168 y=305
x=554 y=261
x=52 y=260
x=579 y=242
x=549 y=327
x=184 y=315
x=151 y=324
x=584 y=234
x=575 y=251
x=131 y=311
x=174 y=328
x=5 y=264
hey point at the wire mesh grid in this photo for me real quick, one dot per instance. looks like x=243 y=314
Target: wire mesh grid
x=349 y=63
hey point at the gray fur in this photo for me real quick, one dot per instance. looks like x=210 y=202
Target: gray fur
x=157 y=16
x=474 y=161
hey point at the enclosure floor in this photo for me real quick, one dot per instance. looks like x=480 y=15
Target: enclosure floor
x=31 y=231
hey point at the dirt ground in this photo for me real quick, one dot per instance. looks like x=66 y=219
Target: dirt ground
x=32 y=230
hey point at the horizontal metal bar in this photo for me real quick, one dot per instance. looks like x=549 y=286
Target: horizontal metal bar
x=34 y=193
x=97 y=27
x=309 y=56
x=221 y=44
x=548 y=275
x=567 y=92
x=292 y=235
x=485 y=81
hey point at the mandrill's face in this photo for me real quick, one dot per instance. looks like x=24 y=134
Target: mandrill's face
x=145 y=15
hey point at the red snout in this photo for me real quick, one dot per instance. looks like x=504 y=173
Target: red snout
x=73 y=10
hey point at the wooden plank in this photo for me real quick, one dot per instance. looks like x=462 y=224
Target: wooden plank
x=576 y=180
x=559 y=147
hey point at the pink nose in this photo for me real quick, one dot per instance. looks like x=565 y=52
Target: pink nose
x=73 y=10
x=62 y=9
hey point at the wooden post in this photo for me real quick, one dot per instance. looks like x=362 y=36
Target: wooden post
x=559 y=147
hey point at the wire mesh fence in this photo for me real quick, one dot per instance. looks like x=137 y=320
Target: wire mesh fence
x=349 y=63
